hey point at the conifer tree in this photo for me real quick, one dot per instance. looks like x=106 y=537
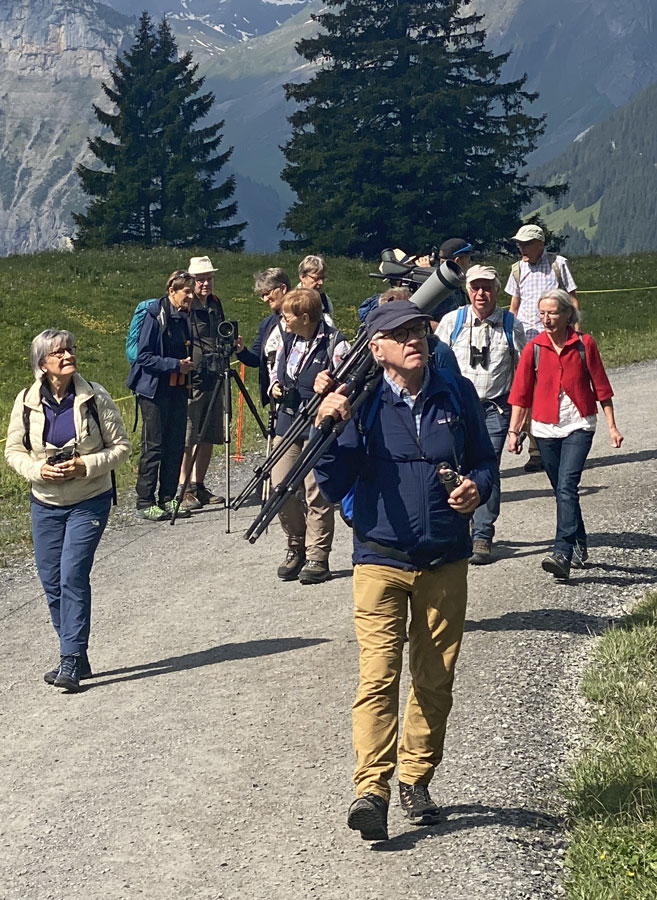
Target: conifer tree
x=405 y=135
x=158 y=184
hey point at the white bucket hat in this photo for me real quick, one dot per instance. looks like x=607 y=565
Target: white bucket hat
x=200 y=265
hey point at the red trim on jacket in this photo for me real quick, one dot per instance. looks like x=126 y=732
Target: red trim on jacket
x=555 y=371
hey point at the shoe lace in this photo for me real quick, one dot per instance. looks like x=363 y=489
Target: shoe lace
x=415 y=793
x=291 y=555
x=68 y=665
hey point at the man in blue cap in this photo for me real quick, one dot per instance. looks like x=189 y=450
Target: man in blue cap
x=411 y=547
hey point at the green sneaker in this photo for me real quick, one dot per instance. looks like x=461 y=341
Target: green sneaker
x=153 y=514
x=170 y=506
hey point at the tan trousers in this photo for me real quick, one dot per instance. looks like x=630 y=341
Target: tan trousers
x=437 y=599
x=308 y=525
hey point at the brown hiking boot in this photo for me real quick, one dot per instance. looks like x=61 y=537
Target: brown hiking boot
x=481 y=552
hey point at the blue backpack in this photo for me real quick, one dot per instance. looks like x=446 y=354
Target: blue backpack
x=132 y=338
x=507 y=323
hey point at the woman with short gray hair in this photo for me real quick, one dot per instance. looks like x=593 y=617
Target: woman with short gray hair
x=65 y=437
x=272 y=285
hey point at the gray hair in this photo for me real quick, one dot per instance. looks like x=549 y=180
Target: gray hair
x=45 y=343
x=312 y=264
x=271 y=279
x=565 y=301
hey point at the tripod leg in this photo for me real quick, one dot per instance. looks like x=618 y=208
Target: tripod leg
x=228 y=372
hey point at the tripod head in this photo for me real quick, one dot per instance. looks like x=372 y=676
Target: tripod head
x=428 y=285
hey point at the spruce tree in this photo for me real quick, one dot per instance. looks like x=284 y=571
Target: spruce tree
x=405 y=135
x=158 y=184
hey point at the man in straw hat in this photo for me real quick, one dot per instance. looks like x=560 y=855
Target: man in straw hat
x=205 y=315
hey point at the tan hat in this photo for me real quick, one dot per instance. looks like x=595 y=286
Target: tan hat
x=486 y=272
x=200 y=265
x=529 y=233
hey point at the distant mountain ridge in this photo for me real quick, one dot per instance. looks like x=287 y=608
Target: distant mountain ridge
x=586 y=57
x=611 y=206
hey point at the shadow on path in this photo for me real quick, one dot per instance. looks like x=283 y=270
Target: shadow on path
x=566 y=620
x=530 y=494
x=466 y=816
x=595 y=462
x=209 y=657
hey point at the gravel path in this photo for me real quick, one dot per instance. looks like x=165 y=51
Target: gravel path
x=211 y=757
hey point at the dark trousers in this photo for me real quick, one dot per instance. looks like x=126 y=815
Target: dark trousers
x=164 y=420
x=65 y=541
x=564 y=460
x=497 y=426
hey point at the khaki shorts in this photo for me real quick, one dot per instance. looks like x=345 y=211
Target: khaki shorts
x=197 y=406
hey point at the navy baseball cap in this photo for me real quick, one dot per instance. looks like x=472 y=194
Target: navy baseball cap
x=392 y=315
x=454 y=247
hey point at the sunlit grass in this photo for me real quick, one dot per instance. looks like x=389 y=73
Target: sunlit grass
x=612 y=787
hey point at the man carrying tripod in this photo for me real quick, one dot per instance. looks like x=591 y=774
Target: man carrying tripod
x=411 y=546
x=205 y=316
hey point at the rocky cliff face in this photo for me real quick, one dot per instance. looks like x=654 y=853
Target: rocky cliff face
x=53 y=58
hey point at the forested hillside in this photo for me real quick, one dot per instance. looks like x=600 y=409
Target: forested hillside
x=611 y=206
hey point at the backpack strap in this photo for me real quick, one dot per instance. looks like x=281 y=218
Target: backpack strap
x=92 y=410
x=508 y=321
x=582 y=352
x=552 y=259
x=27 y=443
x=461 y=315
x=515 y=271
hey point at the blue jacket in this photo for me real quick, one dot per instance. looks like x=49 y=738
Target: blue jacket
x=151 y=365
x=399 y=500
x=255 y=356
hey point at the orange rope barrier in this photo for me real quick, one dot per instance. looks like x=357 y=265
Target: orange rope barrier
x=240 y=417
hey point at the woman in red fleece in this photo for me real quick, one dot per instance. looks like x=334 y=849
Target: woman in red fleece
x=559 y=378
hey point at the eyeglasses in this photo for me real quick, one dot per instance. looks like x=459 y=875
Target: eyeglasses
x=267 y=294
x=403 y=335
x=201 y=279
x=61 y=353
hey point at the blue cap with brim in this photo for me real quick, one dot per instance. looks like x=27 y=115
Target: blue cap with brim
x=392 y=315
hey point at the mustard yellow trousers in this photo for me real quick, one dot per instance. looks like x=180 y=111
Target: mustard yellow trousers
x=383 y=596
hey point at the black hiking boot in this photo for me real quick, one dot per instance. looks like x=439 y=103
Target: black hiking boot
x=369 y=815
x=417 y=805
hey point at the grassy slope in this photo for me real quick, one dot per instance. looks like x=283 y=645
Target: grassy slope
x=612 y=787
x=93 y=294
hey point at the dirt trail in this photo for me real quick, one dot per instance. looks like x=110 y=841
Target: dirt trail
x=211 y=756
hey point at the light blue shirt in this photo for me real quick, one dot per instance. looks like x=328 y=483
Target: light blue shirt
x=416 y=406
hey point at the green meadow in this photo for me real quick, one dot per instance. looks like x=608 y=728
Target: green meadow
x=612 y=786
x=93 y=294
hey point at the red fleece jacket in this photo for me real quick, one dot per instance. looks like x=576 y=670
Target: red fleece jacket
x=555 y=371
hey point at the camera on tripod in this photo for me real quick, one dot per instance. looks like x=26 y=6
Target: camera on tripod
x=227 y=332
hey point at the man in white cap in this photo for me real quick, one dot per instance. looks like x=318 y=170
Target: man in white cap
x=531 y=276
x=487 y=342
x=205 y=315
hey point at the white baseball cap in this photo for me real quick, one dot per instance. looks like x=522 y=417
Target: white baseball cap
x=529 y=233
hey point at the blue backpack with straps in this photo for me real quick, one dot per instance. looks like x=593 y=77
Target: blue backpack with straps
x=507 y=323
x=132 y=338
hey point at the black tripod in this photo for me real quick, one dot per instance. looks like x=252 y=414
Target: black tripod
x=220 y=363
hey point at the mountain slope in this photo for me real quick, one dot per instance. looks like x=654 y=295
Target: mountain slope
x=611 y=206
x=53 y=57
